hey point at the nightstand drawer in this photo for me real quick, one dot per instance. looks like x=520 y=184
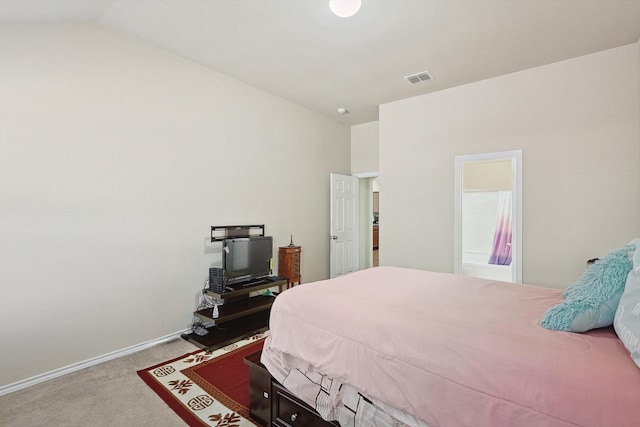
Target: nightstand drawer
x=288 y=411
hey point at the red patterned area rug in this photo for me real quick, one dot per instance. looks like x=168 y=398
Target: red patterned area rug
x=207 y=389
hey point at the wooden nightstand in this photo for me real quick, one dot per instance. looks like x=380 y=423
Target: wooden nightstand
x=289 y=264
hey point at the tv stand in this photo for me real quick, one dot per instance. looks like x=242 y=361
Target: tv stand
x=240 y=316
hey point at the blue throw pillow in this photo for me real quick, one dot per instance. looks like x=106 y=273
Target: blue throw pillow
x=627 y=319
x=591 y=302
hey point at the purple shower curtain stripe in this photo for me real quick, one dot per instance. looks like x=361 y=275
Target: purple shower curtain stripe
x=501 y=252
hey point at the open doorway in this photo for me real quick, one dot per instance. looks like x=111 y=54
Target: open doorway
x=376 y=223
x=369 y=221
x=488 y=216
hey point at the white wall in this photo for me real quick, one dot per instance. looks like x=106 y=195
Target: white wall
x=365 y=148
x=364 y=160
x=116 y=158
x=577 y=122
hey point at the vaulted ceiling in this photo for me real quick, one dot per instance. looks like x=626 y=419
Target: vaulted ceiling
x=300 y=51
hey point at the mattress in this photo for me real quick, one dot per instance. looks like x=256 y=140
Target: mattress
x=447 y=350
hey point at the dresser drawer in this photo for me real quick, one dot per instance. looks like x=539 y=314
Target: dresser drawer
x=295 y=260
x=289 y=411
x=289 y=263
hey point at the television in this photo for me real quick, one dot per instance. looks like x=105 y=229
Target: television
x=247 y=258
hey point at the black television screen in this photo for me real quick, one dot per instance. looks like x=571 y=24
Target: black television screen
x=247 y=258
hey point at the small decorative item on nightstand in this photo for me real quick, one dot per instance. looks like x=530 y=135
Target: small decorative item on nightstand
x=289 y=264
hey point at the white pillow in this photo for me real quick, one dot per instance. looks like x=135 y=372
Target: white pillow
x=627 y=319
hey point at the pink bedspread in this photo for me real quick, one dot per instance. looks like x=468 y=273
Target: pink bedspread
x=456 y=351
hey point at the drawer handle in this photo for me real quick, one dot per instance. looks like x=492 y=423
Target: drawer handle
x=294 y=417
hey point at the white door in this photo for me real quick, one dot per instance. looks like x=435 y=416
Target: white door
x=343 y=227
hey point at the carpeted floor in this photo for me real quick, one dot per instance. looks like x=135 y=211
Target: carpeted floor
x=105 y=395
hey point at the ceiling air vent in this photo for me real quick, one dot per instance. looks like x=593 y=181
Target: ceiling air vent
x=417 y=78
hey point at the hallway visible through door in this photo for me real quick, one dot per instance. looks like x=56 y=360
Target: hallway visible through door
x=376 y=223
x=369 y=221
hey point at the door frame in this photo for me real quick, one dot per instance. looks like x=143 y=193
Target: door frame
x=366 y=230
x=516 y=208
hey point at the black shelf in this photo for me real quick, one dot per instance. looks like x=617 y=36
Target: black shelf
x=230 y=332
x=245 y=288
x=227 y=312
x=222 y=232
x=239 y=317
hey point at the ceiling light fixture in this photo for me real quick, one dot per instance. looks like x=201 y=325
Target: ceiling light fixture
x=343 y=110
x=345 y=8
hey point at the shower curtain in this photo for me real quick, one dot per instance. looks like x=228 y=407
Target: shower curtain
x=501 y=252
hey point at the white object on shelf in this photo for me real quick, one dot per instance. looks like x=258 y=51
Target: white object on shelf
x=216 y=314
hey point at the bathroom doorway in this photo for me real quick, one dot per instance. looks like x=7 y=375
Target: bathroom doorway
x=488 y=216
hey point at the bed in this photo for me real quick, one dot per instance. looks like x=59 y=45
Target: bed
x=395 y=346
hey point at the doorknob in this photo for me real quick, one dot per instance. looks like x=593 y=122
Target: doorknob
x=333 y=237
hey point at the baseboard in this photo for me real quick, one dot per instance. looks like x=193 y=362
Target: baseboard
x=19 y=385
